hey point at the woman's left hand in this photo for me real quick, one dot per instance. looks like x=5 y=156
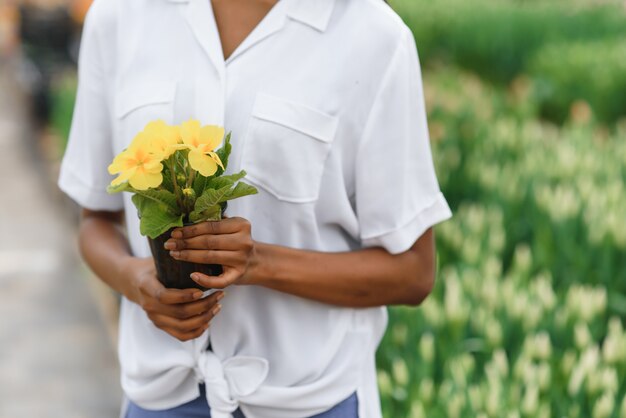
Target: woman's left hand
x=227 y=242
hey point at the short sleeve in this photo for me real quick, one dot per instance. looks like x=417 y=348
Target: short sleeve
x=84 y=176
x=397 y=192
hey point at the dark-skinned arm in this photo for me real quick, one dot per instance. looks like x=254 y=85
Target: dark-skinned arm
x=363 y=278
x=181 y=313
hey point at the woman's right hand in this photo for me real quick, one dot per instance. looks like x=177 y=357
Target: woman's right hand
x=183 y=314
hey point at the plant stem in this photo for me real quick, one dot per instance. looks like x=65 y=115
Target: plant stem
x=172 y=166
x=191 y=178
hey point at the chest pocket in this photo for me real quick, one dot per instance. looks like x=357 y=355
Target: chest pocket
x=139 y=103
x=286 y=148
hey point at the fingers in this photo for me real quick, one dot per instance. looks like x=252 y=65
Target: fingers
x=222 y=281
x=227 y=249
x=185 y=310
x=225 y=226
x=177 y=296
x=187 y=321
x=185 y=336
x=207 y=242
x=152 y=289
x=227 y=258
x=185 y=326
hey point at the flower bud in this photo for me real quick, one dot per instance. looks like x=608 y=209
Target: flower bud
x=426 y=389
x=384 y=383
x=189 y=197
x=603 y=407
x=400 y=372
x=427 y=347
x=530 y=400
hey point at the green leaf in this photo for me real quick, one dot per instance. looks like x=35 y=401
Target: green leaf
x=162 y=196
x=219 y=182
x=240 y=190
x=223 y=181
x=155 y=217
x=207 y=206
x=212 y=213
x=124 y=187
x=224 y=153
x=200 y=184
x=211 y=197
x=166 y=198
x=167 y=179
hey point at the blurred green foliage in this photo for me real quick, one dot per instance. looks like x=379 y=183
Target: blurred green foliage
x=500 y=40
x=527 y=317
x=63 y=94
x=594 y=71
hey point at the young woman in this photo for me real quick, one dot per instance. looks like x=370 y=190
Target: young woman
x=324 y=100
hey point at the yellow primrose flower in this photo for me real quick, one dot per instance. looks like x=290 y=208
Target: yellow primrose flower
x=163 y=138
x=138 y=165
x=201 y=141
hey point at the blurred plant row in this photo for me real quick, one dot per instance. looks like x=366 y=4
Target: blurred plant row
x=574 y=49
x=527 y=317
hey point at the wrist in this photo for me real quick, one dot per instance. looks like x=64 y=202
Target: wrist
x=261 y=269
x=128 y=285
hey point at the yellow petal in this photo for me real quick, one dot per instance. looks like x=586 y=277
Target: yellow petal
x=189 y=132
x=204 y=164
x=124 y=176
x=172 y=135
x=120 y=163
x=211 y=136
x=216 y=158
x=143 y=180
x=156 y=127
x=141 y=140
x=168 y=150
x=153 y=166
x=162 y=136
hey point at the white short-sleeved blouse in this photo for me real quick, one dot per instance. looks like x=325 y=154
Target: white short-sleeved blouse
x=324 y=100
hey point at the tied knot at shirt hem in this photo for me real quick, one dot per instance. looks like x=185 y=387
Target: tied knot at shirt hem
x=228 y=382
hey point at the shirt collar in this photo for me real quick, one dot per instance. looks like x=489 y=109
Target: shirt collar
x=315 y=13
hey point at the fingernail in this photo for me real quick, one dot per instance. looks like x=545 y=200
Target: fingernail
x=197 y=295
x=176 y=234
x=216 y=309
x=170 y=245
x=175 y=254
x=193 y=276
x=221 y=296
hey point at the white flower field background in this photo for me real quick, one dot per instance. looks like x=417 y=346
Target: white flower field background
x=528 y=132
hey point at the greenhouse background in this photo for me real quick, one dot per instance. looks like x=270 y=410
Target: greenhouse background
x=527 y=115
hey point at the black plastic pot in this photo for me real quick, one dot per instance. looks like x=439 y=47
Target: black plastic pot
x=175 y=274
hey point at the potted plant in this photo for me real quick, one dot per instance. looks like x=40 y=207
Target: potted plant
x=177 y=178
